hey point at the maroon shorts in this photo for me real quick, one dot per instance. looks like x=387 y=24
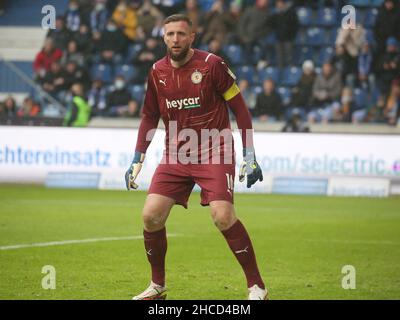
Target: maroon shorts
x=176 y=181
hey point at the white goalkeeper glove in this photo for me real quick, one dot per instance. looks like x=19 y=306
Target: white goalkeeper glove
x=133 y=171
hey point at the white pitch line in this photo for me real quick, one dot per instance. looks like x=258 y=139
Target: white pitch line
x=66 y=242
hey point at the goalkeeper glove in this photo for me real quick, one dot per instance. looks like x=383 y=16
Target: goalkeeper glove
x=133 y=171
x=250 y=168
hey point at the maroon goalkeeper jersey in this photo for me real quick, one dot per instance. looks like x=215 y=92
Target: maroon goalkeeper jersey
x=192 y=96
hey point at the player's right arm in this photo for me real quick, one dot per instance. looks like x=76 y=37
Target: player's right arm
x=148 y=125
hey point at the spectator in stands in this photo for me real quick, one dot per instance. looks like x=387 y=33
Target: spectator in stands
x=54 y=82
x=85 y=9
x=148 y=15
x=98 y=18
x=168 y=7
x=120 y=101
x=125 y=17
x=9 y=107
x=269 y=105
x=351 y=40
x=253 y=26
x=195 y=14
x=73 y=16
x=215 y=47
x=386 y=24
x=295 y=124
x=151 y=52
x=216 y=23
x=29 y=108
x=72 y=54
x=112 y=44
x=302 y=92
x=348 y=109
x=285 y=24
x=326 y=94
x=248 y=94
x=375 y=112
x=389 y=65
x=45 y=58
x=75 y=74
x=343 y=64
x=83 y=39
x=97 y=98
x=2 y=6
x=158 y=29
x=392 y=106
x=307 y=3
x=366 y=78
x=78 y=114
x=60 y=34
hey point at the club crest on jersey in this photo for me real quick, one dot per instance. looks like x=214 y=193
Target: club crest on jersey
x=196 y=77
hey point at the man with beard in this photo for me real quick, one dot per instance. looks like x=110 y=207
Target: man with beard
x=191 y=90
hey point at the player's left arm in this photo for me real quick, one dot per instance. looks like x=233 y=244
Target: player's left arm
x=226 y=85
x=249 y=165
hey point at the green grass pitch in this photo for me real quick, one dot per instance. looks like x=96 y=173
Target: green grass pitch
x=301 y=243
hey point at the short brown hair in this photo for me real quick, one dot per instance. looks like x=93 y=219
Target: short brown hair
x=177 y=18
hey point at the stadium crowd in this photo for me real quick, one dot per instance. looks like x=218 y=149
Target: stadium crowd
x=292 y=59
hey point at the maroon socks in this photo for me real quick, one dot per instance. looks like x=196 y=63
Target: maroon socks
x=240 y=244
x=155 y=244
x=238 y=240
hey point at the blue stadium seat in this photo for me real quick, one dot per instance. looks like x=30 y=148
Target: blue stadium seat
x=269 y=73
x=248 y=73
x=256 y=90
x=376 y=3
x=305 y=16
x=301 y=38
x=234 y=53
x=103 y=72
x=325 y=54
x=370 y=37
x=133 y=51
x=285 y=94
x=315 y=37
x=203 y=47
x=137 y=92
x=291 y=76
x=206 y=5
x=370 y=17
x=330 y=36
x=326 y=17
x=360 y=3
x=128 y=71
x=360 y=97
x=270 y=39
x=258 y=53
x=302 y=54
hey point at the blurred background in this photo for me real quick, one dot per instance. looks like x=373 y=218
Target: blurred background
x=325 y=106
x=297 y=68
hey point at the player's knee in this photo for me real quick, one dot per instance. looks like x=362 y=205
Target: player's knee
x=223 y=217
x=152 y=220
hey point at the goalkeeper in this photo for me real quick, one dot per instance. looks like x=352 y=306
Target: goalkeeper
x=191 y=90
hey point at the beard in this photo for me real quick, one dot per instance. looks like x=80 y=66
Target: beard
x=180 y=56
